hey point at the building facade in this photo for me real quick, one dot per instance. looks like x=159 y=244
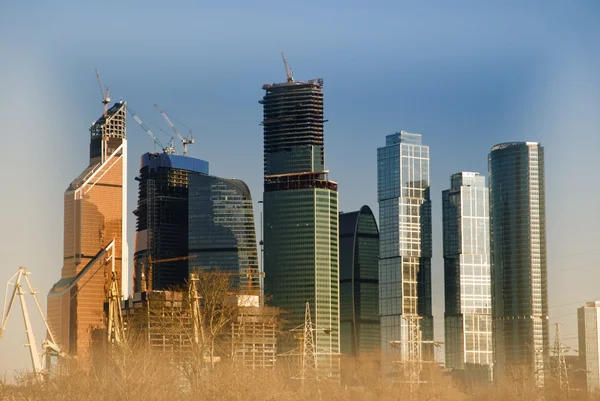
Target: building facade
x=588 y=324
x=300 y=212
x=359 y=283
x=405 y=244
x=467 y=282
x=162 y=220
x=95 y=222
x=518 y=257
x=221 y=234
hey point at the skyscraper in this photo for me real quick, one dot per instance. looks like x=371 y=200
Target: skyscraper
x=518 y=256
x=588 y=323
x=95 y=215
x=221 y=228
x=300 y=210
x=162 y=219
x=468 y=317
x=359 y=283
x=405 y=240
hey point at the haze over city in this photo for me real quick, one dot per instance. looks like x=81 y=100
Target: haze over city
x=465 y=77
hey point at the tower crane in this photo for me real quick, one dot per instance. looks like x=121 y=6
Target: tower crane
x=147 y=278
x=288 y=69
x=170 y=149
x=49 y=345
x=105 y=95
x=185 y=141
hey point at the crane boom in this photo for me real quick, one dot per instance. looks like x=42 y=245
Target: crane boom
x=48 y=344
x=184 y=141
x=167 y=149
x=288 y=69
x=105 y=95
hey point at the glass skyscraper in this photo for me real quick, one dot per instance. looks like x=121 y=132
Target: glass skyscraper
x=405 y=239
x=221 y=228
x=588 y=323
x=300 y=212
x=468 y=315
x=162 y=219
x=359 y=283
x=95 y=214
x=518 y=256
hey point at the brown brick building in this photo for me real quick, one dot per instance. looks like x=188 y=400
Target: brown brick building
x=94 y=216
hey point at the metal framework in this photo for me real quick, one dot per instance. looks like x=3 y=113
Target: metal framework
x=560 y=366
x=49 y=346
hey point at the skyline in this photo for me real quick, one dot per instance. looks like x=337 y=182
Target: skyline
x=480 y=94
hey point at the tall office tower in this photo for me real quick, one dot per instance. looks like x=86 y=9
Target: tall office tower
x=588 y=323
x=359 y=283
x=468 y=317
x=94 y=236
x=518 y=256
x=221 y=229
x=162 y=220
x=300 y=211
x=404 y=243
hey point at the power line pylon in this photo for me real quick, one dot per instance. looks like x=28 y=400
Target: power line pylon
x=308 y=348
x=412 y=352
x=560 y=366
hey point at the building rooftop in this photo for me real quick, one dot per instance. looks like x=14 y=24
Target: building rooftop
x=403 y=136
x=511 y=144
x=156 y=160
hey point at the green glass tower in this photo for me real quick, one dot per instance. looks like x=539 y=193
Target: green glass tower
x=300 y=213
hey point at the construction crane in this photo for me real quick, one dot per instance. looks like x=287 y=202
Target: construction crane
x=49 y=345
x=147 y=278
x=288 y=69
x=170 y=149
x=185 y=141
x=105 y=95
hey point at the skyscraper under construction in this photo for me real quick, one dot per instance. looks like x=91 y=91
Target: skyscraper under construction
x=95 y=239
x=300 y=211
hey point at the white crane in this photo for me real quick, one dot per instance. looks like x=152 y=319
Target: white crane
x=185 y=141
x=288 y=69
x=167 y=149
x=49 y=344
x=105 y=95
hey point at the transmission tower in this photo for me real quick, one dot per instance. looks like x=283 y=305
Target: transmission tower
x=412 y=352
x=310 y=357
x=560 y=366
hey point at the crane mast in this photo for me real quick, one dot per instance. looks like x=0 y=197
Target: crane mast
x=185 y=141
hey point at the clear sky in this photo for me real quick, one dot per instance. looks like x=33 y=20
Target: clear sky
x=464 y=74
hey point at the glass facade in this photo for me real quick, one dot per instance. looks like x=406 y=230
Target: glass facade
x=518 y=256
x=221 y=231
x=588 y=323
x=359 y=283
x=405 y=239
x=467 y=284
x=95 y=214
x=162 y=219
x=300 y=214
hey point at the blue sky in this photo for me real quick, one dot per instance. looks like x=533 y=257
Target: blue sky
x=466 y=75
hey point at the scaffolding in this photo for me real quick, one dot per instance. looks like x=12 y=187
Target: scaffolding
x=254 y=337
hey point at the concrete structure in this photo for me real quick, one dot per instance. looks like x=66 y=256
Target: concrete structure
x=300 y=211
x=519 y=273
x=405 y=244
x=588 y=323
x=359 y=283
x=95 y=214
x=467 y=284
x=162 y=219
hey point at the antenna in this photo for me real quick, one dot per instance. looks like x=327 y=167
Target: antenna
x=105 y=95
x=288 y=69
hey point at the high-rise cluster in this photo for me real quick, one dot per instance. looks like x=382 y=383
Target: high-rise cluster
x=366 y=288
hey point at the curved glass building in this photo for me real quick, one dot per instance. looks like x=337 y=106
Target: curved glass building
x=221 y=228
x=518 y=256
x=359 y=282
